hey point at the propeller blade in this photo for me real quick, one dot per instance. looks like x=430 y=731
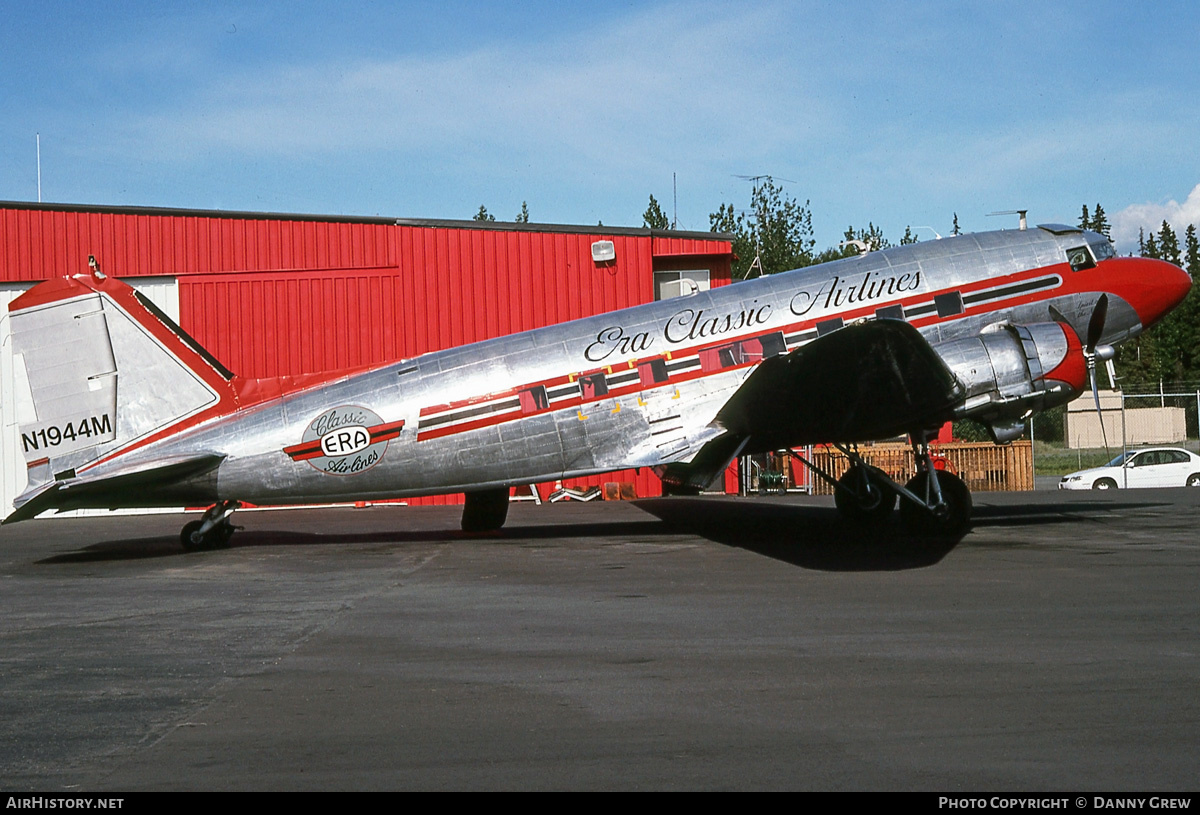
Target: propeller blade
x=1095 y=330
x=1096 y=397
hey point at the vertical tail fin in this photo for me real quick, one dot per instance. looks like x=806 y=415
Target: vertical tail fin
x=98 y=369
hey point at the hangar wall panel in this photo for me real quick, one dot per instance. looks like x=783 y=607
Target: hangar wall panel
x=274 y=295
x=43 y=243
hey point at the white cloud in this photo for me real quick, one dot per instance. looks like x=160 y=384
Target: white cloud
x=629 y=91
x=1127 y=222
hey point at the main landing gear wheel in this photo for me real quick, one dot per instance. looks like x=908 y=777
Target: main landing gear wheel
x=861 y=499
x=949 y=518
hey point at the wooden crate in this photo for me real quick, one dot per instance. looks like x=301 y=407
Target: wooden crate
x=985 y=467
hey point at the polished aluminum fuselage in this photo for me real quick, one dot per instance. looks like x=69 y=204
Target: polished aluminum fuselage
x=526 y=408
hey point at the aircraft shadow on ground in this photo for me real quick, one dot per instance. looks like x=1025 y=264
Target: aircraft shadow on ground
x=811 y=537
x=169 y=545
x=807 y=536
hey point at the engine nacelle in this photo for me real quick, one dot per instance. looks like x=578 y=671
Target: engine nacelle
x=1010 y=371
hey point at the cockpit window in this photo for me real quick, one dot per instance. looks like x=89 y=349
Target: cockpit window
x=1080 y=258
x=1103 y=251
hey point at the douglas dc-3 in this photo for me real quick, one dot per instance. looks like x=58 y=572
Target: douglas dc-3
x=129 y=411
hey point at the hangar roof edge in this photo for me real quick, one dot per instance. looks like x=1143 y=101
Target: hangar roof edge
x=506 y=226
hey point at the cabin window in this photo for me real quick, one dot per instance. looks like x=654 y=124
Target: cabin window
x=754 y=349
x=894 y=312
x=828 y=326
x=949 y=304
x=773 y=344
x=1080 y=258
x=534 y=399
x=593 y=386
x=732 y=354
x=653 y=372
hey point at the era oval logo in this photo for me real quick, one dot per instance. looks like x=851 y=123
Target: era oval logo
x=345 y=440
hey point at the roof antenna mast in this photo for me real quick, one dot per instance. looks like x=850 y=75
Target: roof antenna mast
x=1024 y=224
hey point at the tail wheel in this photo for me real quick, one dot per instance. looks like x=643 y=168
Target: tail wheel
x=951 y=518
x=215 y=538
x=862 y=499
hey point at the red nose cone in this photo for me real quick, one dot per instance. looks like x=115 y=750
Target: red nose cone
x=1153 y=287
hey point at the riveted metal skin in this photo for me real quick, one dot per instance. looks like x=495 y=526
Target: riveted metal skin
x=648 y=386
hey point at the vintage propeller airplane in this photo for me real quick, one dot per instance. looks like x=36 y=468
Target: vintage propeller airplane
x=131 y=412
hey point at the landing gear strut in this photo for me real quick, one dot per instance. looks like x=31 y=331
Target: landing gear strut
x=864 y=494
x=935 y=502
x=862 y=497
x=943 y=505
x=212 y=531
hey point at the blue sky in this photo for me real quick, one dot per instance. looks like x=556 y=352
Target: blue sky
x=900 y=114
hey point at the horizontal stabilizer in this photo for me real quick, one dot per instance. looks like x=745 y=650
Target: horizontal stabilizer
x=160 y=482
x=866 y=381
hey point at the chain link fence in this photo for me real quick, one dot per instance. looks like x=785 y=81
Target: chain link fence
x=1133 y=420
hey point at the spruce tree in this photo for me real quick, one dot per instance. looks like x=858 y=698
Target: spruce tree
x=1150 y=247
x=654 y=217
x=1191 y=251
x=1168 y=245
x=1099 y=221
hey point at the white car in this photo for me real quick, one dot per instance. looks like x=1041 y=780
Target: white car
x=1153 y=467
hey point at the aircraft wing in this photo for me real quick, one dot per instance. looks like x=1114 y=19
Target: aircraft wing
x=154 y=478
x=865 y=381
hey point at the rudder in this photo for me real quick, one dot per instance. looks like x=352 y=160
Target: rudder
x=98 y=370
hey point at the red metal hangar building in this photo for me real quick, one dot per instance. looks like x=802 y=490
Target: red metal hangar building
x=276 y=295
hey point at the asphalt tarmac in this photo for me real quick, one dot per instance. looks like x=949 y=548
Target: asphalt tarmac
x=664 y=644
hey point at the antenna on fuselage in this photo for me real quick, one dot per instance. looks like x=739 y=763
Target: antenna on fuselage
x=1024 y=224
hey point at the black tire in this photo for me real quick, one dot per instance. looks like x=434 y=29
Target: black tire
x=952 y=519
x=215 y=538
x=863 y=502
x=1193 y=480
x=185 y=537
x=1105 y=484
